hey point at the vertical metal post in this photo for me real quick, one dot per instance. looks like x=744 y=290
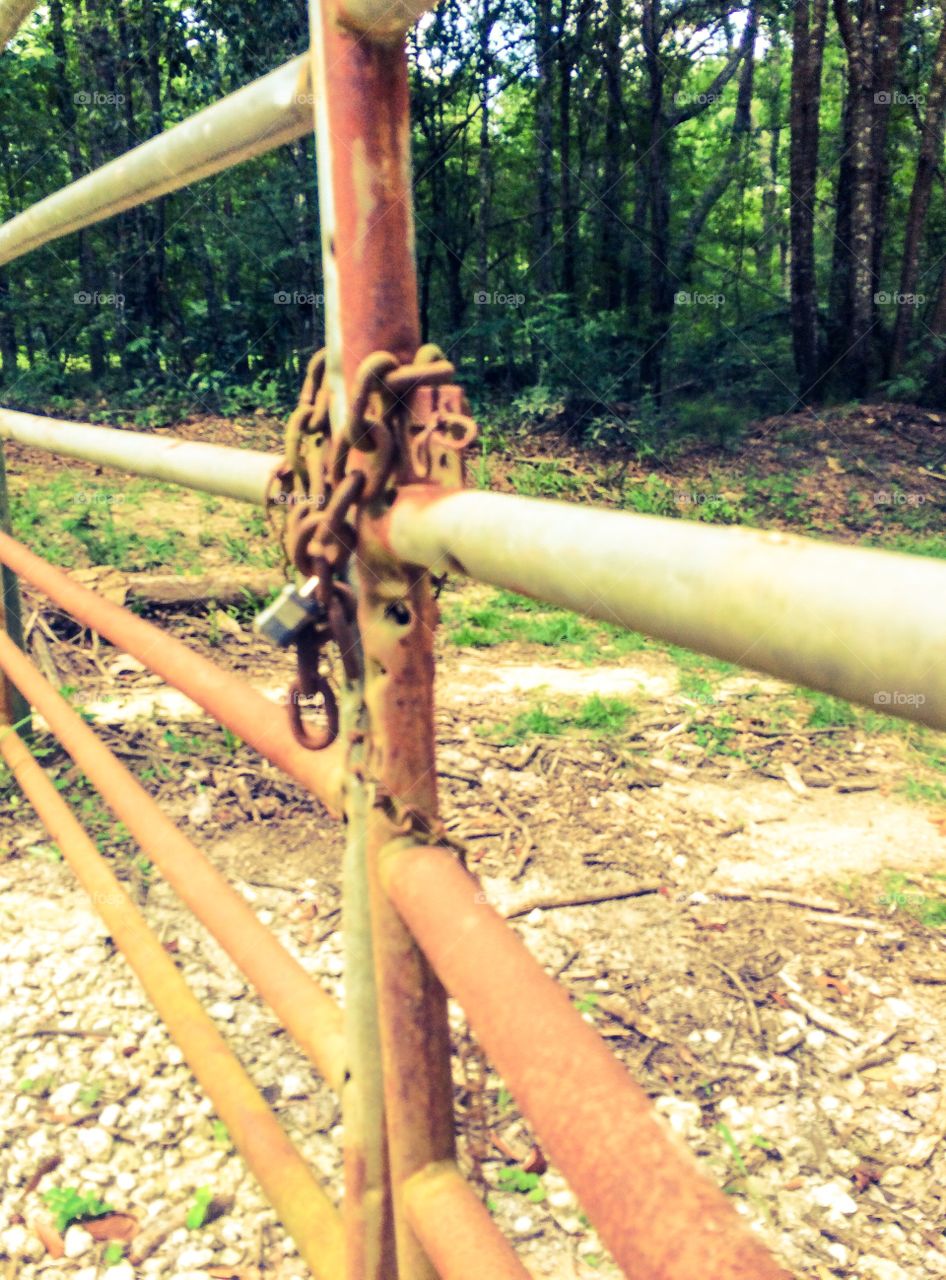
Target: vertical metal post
x=14 y=709
x=363 y=136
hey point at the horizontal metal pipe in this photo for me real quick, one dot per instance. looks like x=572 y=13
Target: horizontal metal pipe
x=303 y=1207
x=230 y=700
x=308 y=1013
x=454 y=1226
x=863 y=624
x=13 y=13
x=661 y=1219
x=243 y=474
x=258 y=118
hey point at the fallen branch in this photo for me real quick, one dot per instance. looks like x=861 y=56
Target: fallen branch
x=582 y=899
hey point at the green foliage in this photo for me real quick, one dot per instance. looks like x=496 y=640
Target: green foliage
x=197 y=1213
x=69 y=1205
x=524 y=1184
x=606 y=716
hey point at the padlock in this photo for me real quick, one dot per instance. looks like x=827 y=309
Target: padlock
x=294 y=609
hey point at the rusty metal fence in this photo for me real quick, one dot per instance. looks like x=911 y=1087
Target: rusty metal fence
x=369 y=492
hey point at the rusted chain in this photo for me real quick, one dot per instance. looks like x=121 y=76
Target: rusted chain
x=323 y=483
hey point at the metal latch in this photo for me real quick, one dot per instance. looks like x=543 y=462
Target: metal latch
x=294 y=609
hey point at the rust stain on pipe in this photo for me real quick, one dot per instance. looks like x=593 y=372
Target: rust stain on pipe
x=307 y=1012
x=659 y=1216
x=230 y=700
x=454 y=1226
x=303 y=1207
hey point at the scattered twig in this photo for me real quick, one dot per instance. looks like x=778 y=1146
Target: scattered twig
x=821 y=1019
x=776 y=895
x=740 y=986
x=60 y=1031
x=581 y=899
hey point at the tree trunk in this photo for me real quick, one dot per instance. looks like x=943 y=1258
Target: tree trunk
x=544 y=52
x=931 y=149
x=807 y=61
x=610 y=199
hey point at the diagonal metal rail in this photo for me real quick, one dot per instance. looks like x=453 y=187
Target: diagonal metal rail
x=304 y=1208
x=258 y=118
x=13 y=13
x=307 y=1012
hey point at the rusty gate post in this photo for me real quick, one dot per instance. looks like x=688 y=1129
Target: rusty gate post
x=367 y=231
x=13 y=708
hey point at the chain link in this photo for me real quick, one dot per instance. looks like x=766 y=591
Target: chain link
x=402 y=416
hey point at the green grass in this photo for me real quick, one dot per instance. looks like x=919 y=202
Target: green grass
x=544 y=480
x=605 y=716
x=929 y=909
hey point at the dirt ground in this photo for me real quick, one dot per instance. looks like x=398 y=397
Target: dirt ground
x=770 y=964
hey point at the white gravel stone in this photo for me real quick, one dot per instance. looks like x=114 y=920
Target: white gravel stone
x=76 y=1242
x=110 y=1116
x=223 y=1010
x=195 y=1258
x=14 y=1241
x=95 y=1142
x=125 y=1181
x=120 y=1271
x=913 y=1071
x=523 y=1224
x=834 y=1197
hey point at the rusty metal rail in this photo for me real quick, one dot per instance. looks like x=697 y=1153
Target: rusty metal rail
x=370 y=486
x=308 y=1013
x=301 y=1203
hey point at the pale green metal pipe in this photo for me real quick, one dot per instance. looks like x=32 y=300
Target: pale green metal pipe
x=382 y=20
x=13 y=13
x=863 y=624
x=243 y=474
x=258 y=118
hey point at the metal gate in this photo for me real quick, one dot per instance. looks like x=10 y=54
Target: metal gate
x=370 y=494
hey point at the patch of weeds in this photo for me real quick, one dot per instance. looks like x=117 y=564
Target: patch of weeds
x=689 y=660
x=40 y=1087
x=90 y=1093
x=715 y=736
x=828 y=712
x=543 y=480
x=934 y=547
x=695 y=686
x=924 y=790
x=587 y=1003
x=114 y=1252
x=197 y=1213
x=69 y=1205
x=221 y=1133
x=597 y=714
x=534 y=721
x=654 y=497
x=524 y=1184
x=929 y=909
